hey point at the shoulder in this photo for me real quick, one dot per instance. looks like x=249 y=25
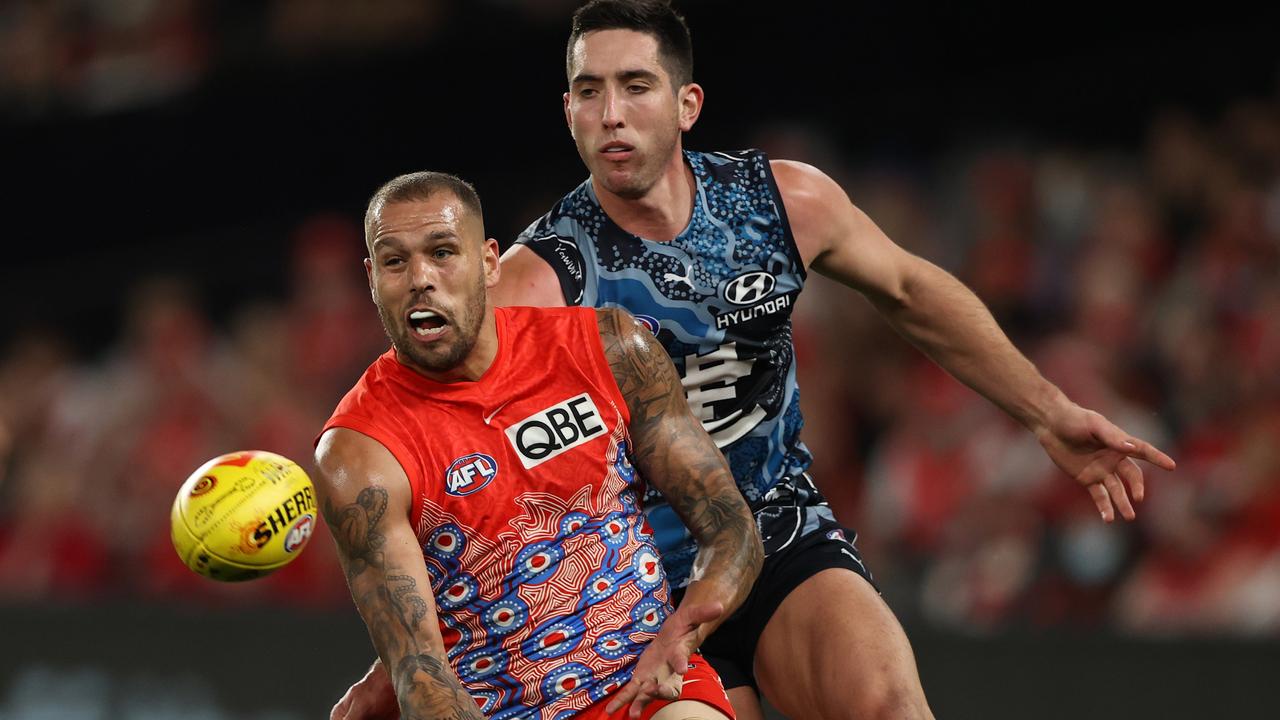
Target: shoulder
x=617 y=323
x=803 y=183
x=818 y=209
x=526 y=279
x=348 y=461
x=628 y=344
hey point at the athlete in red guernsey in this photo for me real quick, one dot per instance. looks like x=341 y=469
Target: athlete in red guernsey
x=489 y=454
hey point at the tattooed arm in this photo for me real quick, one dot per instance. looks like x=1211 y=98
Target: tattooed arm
x=365 y=497
x=675 y=455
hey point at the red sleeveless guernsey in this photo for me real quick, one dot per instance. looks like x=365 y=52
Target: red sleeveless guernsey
x=546 y=580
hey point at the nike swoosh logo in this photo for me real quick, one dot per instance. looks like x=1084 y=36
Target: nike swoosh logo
x=495 y=412
x=690 y=682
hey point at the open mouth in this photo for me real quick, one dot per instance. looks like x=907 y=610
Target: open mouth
x=426 y=323
x=616 y=148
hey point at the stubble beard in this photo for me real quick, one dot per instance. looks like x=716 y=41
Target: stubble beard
x=465 y=326
x=645 y=176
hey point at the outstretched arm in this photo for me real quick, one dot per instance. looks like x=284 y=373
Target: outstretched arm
x=365 y=499
x=676 y=456
x=943 y=318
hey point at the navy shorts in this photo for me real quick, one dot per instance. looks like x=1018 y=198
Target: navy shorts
x=800 y=541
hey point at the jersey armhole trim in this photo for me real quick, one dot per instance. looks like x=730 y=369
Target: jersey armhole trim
x=776 y=192
x=572 y=295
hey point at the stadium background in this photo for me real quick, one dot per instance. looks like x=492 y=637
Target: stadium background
x=181 y=278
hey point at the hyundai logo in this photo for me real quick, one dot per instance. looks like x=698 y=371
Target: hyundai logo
x=749 y=288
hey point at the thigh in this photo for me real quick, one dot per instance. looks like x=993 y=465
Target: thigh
x=745 y=702
x=689 y=710
x=833 y=649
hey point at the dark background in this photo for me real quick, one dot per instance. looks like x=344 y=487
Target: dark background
x=264 y=135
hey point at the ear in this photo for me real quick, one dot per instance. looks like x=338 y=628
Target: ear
x=690 y=98
x=368 y=273
x=492 y=266
x=568 y=119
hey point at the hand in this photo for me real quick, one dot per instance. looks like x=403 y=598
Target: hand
x=659 y=672
x=1101 y=457
x=372 y=698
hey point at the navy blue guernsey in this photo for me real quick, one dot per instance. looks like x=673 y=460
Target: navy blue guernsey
x=719 y=298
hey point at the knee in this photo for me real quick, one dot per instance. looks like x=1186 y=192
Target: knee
x=890 y=701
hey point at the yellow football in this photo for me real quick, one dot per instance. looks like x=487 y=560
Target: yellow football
x=243 y=515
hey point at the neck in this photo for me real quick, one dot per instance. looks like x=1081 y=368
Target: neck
x=664 y=210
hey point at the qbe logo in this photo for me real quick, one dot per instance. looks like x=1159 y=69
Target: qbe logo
x=470 y=474
x=748 y=288
x=559 y=428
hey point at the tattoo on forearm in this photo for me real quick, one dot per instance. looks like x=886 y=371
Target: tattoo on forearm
x=393 y=608
x=430 y=688
x=676 y=455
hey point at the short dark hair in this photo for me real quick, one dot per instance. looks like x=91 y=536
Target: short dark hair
x=653 y=17
x=420 y=186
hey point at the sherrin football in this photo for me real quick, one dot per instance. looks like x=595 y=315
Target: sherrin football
x=243 y=515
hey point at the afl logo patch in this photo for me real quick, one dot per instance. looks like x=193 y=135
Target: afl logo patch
x=470 y=474
x=650 y=322
x=203 y=485
x=749 y=288
x=299 y=533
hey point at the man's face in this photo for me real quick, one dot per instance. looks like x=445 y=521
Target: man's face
x=429 y=268
x=624 y=114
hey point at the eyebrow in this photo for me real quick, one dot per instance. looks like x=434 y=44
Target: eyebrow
x=624 y=76
x=434 y=235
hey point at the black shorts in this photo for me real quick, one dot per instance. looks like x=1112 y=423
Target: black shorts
x=801 y=540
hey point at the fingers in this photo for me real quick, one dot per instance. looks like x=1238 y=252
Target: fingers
x=666 y=690
x=1119 y=497
x=1108 y=488
x=1129 y=471
x=1146 y=451
x=1102 y=501
x=639 y=693
x=1120 y=441
x=622 y=697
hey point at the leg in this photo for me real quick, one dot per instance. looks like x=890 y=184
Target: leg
x=689 y=710
x=834 y=650
x=746 y=705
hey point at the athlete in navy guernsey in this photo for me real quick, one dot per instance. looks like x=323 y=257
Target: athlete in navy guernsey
x=710 y=251
x=719 y=297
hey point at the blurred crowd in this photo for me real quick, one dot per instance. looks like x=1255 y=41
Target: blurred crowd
x=91 y=455
x=1146 y=285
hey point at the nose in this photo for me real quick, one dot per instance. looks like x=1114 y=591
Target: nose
x=422 y=275
x=612 y=117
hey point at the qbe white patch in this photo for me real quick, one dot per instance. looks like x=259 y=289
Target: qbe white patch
x=555 y=430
